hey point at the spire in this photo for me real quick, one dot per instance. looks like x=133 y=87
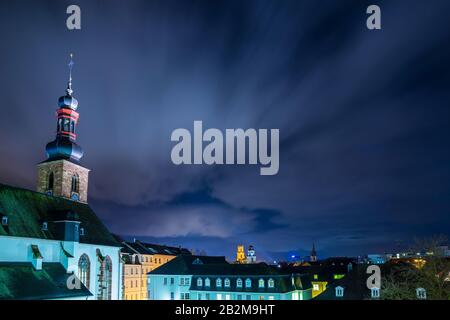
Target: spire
x=69 y=84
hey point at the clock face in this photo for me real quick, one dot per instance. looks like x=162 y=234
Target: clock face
x=75 y=196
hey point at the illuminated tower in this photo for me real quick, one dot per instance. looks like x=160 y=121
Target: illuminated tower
x=240 y=255
x=61 y=174
x=251 y=255
x=313 y=257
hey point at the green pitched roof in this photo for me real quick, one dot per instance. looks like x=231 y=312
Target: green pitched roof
x=27 y=210
x=19 y=280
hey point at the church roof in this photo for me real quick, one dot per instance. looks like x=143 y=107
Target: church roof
x=27 y=210
x=19 y=280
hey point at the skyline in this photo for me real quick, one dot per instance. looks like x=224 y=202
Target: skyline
x=362 y=117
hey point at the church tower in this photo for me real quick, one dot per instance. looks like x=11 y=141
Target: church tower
x=313 y=257
x=61 y=174
x=240 y=254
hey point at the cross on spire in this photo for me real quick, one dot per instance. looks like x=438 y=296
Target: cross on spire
x=69 y=84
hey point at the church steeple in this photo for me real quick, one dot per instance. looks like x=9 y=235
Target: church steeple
x=64 y=145
x=61 y=175
x=313 y=257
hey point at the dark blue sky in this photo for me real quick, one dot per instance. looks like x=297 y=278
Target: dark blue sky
x=363 y=117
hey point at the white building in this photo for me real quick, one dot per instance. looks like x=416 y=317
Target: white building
x=212 y=278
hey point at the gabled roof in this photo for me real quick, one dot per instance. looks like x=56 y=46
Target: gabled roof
x=19 y=280
x=184 y=264
x=27 y=210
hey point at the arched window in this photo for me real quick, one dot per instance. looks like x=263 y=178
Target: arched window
x=75 y=183
x=261 y=283
x=51 y=181
x=105 y=279
x=207 y=282
x=271 y=283
x=227 y=282
x=84 y=270
x=239 y=283
x=219 y=282
x=248 y=283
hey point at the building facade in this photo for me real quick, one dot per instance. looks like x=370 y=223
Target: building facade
x=140 y=258
x=52 y=245
x=212 y=278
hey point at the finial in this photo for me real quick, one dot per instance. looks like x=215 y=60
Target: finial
x=69 y=84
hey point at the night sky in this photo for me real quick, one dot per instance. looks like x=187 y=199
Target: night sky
x=363 y=117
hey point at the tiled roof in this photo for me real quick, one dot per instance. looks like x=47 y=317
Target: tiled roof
x=19 y=280
x=27 y=210
x=149 y=248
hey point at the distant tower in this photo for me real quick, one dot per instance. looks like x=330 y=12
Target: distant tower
x=240 y=255
x=61 y=175
x=313 y=257
x=251 y=256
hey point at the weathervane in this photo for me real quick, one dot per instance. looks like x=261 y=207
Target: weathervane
x=69 y=84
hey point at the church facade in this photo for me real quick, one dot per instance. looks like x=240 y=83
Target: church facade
x=52 y=244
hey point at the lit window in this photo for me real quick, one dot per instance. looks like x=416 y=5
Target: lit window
x=375 y=292
x=339 y=292
x=219 y=282
x=316 y=276
x=248 y=283
x=199 y=282
x=84 y=268
x=261 y=283
x=239 y=283
x=227 y=297
x=207 y=282
x=219 y=296
x=421 y=293
x=271 y=298
x=271 y=283
x=315 y=287
x=227 y=282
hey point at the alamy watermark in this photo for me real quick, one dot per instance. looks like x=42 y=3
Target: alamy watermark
x=255 y=141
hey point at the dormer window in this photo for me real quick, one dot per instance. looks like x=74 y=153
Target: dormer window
x=375 y=293
x=207 y=282
x=271 y=283
x=239 y=283
x=227 y=283
x=261 y=283
x=339 y=292
x=219 y=283
x=44 y=226
x=199 y=282
x=421 y=293
x=248 y=283
x=4 y=221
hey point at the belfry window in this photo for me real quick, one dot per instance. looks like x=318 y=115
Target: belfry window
x=75 y=183
x=66 y=125
x=84 y=268
x=51 y=180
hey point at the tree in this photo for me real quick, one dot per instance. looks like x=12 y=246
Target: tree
x=430 y=270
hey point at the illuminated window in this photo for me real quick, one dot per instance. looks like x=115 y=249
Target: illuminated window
x=421 y=293
x=316 y=276
x=248 y=283
x=375 y=292
x=339 y=291
x=219 y=282
x=207 y=282
x=271 y=283
x=227 y=297
x=315 y=287
x=84 y=267
x=219 y=296
x=199 y=282
x=239 y=283
x=271 y=298
x=227 y=282
x=261 y=283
